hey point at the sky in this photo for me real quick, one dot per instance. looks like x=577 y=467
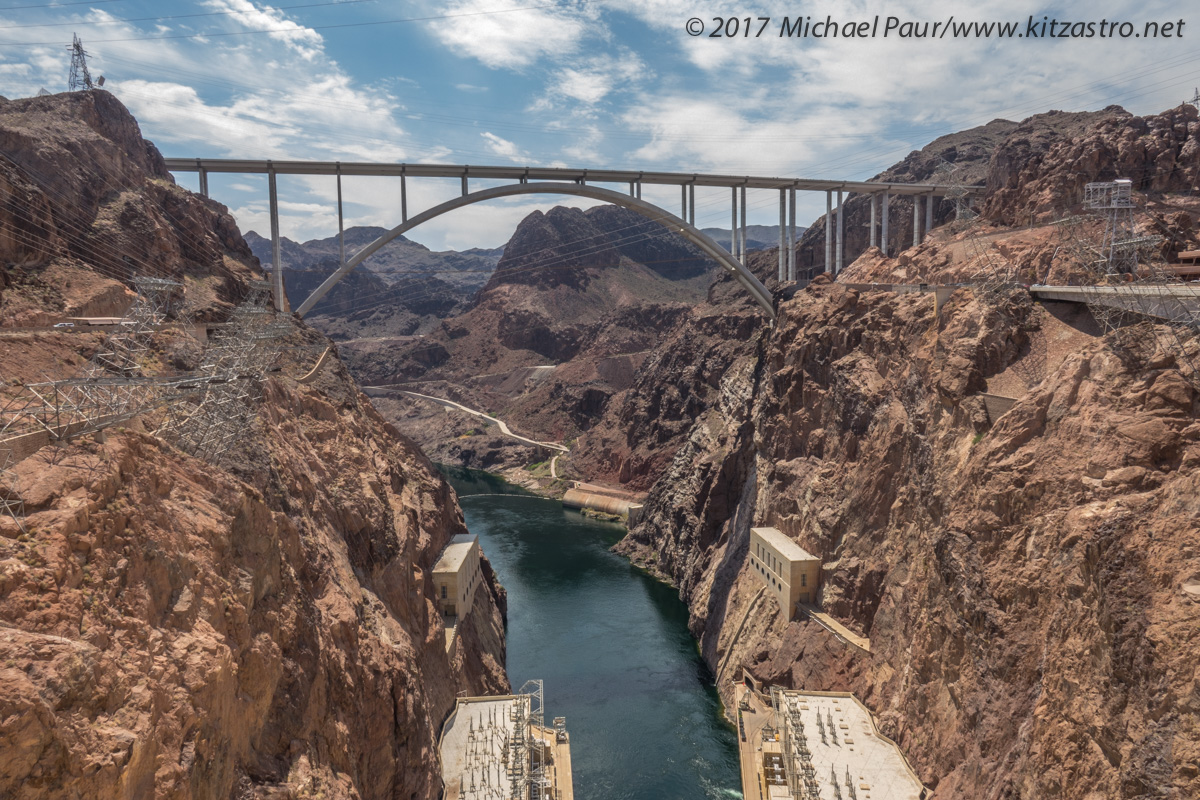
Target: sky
x=619 y=84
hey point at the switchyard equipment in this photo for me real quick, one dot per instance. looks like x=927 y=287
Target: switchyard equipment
x=498 y=748
x=818 y=746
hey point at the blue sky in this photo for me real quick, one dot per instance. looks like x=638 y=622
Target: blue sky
x=617 y=84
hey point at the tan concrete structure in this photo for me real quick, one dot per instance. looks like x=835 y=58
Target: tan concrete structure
x=456 y=575
x=844 y=747
x=788 y=571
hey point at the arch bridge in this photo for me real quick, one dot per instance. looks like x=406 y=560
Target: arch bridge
x=582 y=183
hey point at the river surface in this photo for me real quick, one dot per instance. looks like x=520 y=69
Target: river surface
x=611 y=645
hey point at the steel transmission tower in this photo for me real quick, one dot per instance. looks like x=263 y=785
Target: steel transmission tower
x=1114 y=201
x=81 y=79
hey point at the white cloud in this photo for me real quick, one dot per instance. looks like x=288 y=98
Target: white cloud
x=504 y=148
x=509 y=34
x=592 y=79
x=305 y=41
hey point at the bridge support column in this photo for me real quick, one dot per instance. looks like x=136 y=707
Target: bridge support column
x=639 y=190
x=883 y=226
x=841 y=236
x=829 y=230
x=781 y=271
x=791 y=262
x=341 y=225
x=403 y=198
x=204 y=182
x=733 y=227
x=683 y=201
x=276 y=266
x=874 y=203
x=928 y=213
x=742 y=237
x=692 y=204
x=916 y=200
x=631 y=190
x=464 y=185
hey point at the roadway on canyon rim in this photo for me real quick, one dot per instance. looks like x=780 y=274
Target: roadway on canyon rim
x=504 y=429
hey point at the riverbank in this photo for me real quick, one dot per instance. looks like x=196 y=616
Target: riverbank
x=611 y=644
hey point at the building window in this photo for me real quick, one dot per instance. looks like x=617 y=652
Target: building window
x=804 y=579
x=443 y=592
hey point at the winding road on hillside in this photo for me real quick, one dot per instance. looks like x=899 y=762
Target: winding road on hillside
x=504 y=429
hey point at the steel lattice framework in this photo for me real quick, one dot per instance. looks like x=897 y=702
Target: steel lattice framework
x=207 y=422
x=80 y=79
x=210 y=407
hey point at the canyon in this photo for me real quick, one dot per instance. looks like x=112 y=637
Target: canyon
x=265 y=627
x=260 y=627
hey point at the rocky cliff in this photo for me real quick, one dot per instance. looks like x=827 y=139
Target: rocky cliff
x=1026 y=581
x=89 y=203
x=402 y=289
x=264 y=627
x=576 y=303
x=1002 y=498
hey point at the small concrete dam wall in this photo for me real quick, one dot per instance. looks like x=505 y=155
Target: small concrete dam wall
x=580 y=499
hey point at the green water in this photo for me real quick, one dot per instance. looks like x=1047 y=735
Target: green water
x=612 y=646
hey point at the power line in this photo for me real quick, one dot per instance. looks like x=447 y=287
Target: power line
x=181 y=16
x=298 y=28
x=45 y=6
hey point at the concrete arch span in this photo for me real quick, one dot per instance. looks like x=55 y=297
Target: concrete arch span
x=668 y=220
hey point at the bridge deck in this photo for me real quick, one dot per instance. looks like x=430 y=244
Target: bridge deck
x=249 y=166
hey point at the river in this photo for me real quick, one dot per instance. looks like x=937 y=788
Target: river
x=611 y=645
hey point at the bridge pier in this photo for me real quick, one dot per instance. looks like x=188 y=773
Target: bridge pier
x=203 y=181
x=883 y=227
x=781 y=273
x=683 y=202
x=733 y=226
x=341 y=225
x=791 y=262
x=742 y=237
x=403 y=198
x=841 y=235
x=692 y=204
x=829 y=230
x=928 y=213
x=464 y=185
x=276 y=266
x=916 y=220
x=874 y=203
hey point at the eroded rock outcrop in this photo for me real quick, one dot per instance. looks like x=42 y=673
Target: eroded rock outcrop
x=1021 y=579
x=263 y=627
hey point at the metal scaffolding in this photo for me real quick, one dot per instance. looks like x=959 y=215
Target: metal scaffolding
x=957 y=192
x=110 y=388
x=1113 y=200
x=127 y=350
x=209 y=421
x=210 y=407
x=10 y=496
x=531 y=779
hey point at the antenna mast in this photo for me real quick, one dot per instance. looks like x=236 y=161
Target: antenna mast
x=81 y=79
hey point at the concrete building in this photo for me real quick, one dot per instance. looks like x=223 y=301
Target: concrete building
x=785 y=568
x=456 y=575
x=798 y=745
